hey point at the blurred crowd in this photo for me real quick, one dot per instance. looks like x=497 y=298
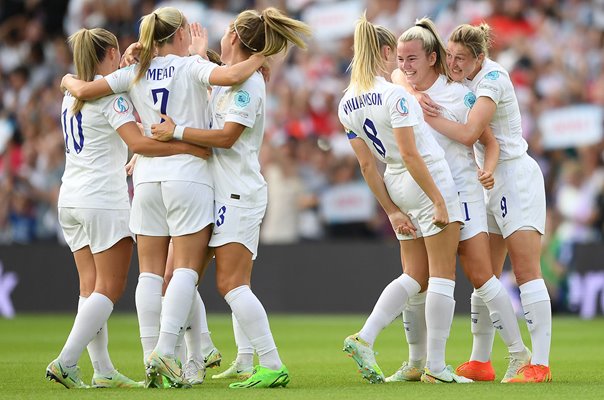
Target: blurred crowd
x=553 y=50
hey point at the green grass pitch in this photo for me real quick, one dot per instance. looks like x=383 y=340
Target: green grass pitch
x=311 y=347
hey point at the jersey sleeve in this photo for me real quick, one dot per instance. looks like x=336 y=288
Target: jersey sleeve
x=118 y=110
x=401 y=112
x=344 y=121
x=200 y=69
x=120 y=80
x=492 y=86
x=245 y=104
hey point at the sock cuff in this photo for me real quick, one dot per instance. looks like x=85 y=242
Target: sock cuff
x=533 y=292
x=490 y=289
x=410 y=285
x=234 y=293
x=442 y=286
x=476 y=300
x=101 y=297
x=149 y=275
x=186 y=272
x=417 y=300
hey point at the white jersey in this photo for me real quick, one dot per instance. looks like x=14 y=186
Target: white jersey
x=493 y=81
x=236 y=171
x=373 y=115
x=95 y=155
x=176 y=86
x=456 y=100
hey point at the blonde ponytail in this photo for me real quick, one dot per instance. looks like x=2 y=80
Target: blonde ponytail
x=425 y=31
x=89 y=50
x=367 y=62
x=478 y=39
x=156 y=29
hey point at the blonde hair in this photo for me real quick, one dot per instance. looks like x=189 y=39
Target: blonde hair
x=367 y=61
x=477 y=39
x=425 y=31
x=157 y=29
x=89 y=50
x=269 y=32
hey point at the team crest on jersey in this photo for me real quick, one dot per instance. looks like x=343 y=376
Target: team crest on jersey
x=493 y=75
x=402 y=107
x=121 y=105
x=469 y=99
x=242 y=98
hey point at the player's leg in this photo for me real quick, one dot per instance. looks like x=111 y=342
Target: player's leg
x=112 y=271
x=440 y=303
x=415 y=263
x=525 y=249
x=64 y=368
x=490 y=306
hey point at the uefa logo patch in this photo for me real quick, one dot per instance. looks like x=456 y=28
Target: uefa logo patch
x=242 y=98
x=469 y=99
x=121 y=105
x=493 y=75
x=402 y=107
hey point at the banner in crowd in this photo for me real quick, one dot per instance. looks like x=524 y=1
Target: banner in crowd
x=572 y=126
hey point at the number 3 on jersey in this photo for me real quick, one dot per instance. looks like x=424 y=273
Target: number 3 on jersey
x=372 y=133
x=221 y=214
x=78 y=144
x=161 y=95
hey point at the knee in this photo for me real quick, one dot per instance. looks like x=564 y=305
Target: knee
x=113 y=290
x=224 y=285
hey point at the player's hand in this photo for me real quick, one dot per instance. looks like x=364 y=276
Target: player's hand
x=429 y=107
x=486 y=179
x=201 y=152
x=131 y=164
x=265 y=70
x=401 y=223
x=199 y=40
x=131 y=55
x=441 y=216
x=65 y=82
x=163 y=131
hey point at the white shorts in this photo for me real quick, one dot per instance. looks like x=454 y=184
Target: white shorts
x=234 y=224
x=411 y=199
x=517 y=202
x=171 y=208
x=97 y=228
x=474 y=215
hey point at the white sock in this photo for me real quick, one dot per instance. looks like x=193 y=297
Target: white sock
x=414 y=322
x=440 y=306
x=88 y=322
x=538 y=314
x=502 y=314
x=180 y=350
x=390 y=305
x=148 y=309
x=253 y=321
x=98 y=348
x=483 y=332
x=245 y=350
x=175 y=310
x=199 y=342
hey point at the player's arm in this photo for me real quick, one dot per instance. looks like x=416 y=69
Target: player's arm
x=84 y=90
x=405 y=140
x=238 y=73
x=400 y=221
x=140 y=144
x=223 y=138
x=491 y=157
x=478 y=119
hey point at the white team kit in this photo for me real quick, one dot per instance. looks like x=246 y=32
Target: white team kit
x=93 y=200
x=456 y=101
x=176 y=86
x=371 y=116
x=518 y=199
x=240 y=188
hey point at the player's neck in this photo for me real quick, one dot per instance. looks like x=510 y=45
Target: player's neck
x=427 y=82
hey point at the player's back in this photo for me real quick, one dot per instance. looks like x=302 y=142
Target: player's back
x=372 y=115
x=175 y=86
x=95 y=155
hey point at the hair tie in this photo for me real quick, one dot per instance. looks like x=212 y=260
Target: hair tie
x=261 y=19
